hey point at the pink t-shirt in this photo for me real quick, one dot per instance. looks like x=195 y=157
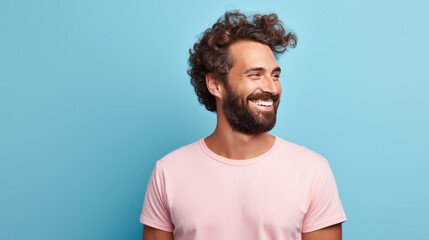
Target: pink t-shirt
x=197 y=194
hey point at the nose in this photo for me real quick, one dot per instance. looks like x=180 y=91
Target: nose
x=271 y=85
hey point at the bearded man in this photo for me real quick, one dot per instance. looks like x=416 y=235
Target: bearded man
x=241 y=182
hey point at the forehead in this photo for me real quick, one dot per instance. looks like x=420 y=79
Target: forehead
x=245 y=54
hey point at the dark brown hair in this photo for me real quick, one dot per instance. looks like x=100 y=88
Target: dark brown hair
x=210 y=54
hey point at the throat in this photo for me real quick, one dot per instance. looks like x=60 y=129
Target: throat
x=238 y=146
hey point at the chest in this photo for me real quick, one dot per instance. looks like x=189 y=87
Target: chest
x=229 y=204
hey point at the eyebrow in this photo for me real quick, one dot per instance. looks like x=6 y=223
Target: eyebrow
x=258 y=69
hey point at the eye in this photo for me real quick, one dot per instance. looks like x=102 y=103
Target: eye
x=254 y=75
x=276 y=76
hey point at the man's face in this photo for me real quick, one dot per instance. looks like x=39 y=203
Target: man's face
x=252 y=92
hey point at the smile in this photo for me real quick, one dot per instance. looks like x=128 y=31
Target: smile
x=262 y=104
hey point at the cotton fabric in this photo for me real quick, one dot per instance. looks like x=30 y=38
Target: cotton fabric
x=197 y=194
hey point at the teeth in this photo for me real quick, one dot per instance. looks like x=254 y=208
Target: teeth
x=263 y=103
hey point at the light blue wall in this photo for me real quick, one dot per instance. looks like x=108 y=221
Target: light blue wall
x=92 y=93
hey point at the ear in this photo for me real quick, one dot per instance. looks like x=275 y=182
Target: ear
x=213 y=85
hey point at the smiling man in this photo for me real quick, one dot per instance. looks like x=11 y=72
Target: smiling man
x=241 y=182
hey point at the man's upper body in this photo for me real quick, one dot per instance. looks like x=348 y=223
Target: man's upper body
x=241 y=182
x=198 y=194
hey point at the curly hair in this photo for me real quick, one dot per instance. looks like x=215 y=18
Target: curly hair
x=210 y=54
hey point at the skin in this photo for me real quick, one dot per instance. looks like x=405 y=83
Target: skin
x=333 y=232
x=246 y=55
x=254 y=69
x=150 y=233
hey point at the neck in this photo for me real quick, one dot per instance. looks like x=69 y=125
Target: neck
x=228 y=143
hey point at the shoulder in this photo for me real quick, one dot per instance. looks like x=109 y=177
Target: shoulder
x=179 y=156
x=307 y=165
x=301 y=155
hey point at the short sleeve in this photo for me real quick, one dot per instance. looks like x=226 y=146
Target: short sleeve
x=325 y=207
x=155 y=210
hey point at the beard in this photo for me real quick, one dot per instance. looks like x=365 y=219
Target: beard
x=245 y=120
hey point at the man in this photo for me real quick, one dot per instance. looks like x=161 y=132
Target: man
x=241 y=182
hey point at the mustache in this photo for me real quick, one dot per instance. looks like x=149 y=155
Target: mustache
x=264 y=96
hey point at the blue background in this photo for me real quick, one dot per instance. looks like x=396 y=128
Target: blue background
x=92 y=93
